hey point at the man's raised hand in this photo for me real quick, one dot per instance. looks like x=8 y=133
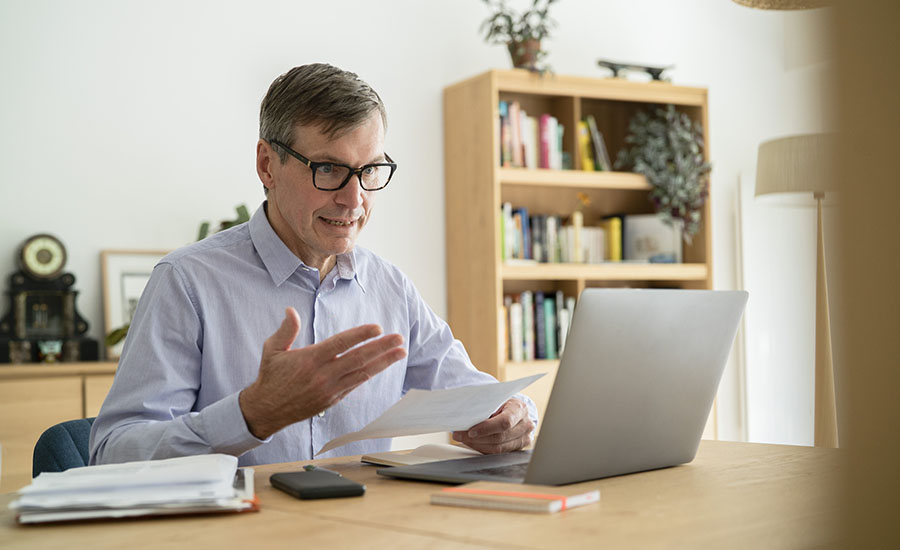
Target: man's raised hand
x=293 y=385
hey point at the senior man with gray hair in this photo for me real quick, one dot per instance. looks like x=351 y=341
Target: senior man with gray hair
x=269 y=339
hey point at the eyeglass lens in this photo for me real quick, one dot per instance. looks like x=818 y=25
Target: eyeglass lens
x=331 y=176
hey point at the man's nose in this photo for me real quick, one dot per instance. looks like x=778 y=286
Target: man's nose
x=351 y=195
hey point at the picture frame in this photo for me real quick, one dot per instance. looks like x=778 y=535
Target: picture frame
x=124 y=275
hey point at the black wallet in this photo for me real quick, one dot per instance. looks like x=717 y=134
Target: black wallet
x=309 y=484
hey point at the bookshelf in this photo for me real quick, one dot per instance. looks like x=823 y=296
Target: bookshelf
x=476 y=186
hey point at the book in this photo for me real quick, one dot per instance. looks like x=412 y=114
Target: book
x=585 y=151
x=613 y=227
x=550 y=328
x=547 y=134
x=527 y=299
x=516 y=497
x=505 y=135
x=506 y=229
x=430 y=452
x=515 y=117
x=560 y=306
x=577 y=247
x=516 y=339
x=540 y=320
x=601 y=156
x=182 y=485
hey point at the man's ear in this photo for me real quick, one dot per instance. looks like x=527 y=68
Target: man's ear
x=266 y=161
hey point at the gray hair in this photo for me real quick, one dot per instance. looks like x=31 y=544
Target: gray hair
x=321 y=95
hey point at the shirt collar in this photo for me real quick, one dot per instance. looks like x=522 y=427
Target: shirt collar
x=280 y=261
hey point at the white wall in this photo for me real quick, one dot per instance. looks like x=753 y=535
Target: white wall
x=124 y=124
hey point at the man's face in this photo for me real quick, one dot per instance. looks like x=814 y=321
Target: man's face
x=317 y=225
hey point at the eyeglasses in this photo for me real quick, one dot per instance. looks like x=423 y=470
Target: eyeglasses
x=331 y=176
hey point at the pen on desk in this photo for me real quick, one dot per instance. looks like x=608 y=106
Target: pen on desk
x=311 y=467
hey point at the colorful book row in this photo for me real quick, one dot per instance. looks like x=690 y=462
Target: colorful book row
x=556 y=239
x=531 y=141
x=537 y=324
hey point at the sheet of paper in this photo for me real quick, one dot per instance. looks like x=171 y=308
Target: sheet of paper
x=422 y=411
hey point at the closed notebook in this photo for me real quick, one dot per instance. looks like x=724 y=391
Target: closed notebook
x=431 y=452
x=516 y=497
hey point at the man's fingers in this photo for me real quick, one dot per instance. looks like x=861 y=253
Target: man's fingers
x=286 y=334
x=509 y=415
x=341 y=342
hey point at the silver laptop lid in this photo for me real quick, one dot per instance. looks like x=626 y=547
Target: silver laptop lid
x=636 y=382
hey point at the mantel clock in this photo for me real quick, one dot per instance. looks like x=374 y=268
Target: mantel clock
x=42 y=324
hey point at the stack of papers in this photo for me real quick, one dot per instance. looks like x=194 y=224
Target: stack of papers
x=191 y=484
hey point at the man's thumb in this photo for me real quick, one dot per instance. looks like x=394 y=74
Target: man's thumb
x=286 y=334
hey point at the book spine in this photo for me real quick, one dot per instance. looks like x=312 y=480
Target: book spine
x=540 y=338
x=515 y=332
x=507 y=230
x=613 y=227
x=516 y=132
x=532 y=152
x=550 y=327
x=527 y=299
x=584 y=147
x=551 y=240
x=526 y=234
x=505 y=135
x=560 y=306
x=577 y=247
x=545 y=131
x=517 y=235
x=560 y=130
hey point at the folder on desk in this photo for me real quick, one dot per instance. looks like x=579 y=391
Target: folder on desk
x=183 y=485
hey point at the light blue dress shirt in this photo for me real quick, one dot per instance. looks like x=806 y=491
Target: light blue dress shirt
x=196 y=341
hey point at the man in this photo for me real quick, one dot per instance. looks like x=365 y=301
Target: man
x=195 y=376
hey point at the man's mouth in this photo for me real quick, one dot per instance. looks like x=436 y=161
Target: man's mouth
x=339 y=223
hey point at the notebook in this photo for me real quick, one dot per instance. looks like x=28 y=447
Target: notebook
x=633 y=391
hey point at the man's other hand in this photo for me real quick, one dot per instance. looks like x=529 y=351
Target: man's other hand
x=294 y=385
x=508 y=429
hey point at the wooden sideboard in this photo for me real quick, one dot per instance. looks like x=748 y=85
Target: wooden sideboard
x=35 y=397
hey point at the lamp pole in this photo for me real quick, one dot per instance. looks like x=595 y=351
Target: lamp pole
x=826 y=432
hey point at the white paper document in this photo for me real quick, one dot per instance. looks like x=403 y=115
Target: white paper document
x=422 y=411
x=201 y=483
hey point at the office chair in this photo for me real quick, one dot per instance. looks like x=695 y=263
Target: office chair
x=62 y=446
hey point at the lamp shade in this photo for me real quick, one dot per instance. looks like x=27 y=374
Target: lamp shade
x=797 y=164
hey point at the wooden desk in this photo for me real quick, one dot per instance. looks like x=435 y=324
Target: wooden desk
x=734 y=495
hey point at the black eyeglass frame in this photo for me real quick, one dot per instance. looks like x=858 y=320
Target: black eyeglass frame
x=358 y=171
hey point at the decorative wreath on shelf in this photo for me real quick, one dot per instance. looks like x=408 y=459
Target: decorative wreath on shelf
x=667 y=148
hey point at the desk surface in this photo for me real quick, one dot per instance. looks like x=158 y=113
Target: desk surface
x=733 y=495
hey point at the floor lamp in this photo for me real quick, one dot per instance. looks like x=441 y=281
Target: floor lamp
x=803 y=164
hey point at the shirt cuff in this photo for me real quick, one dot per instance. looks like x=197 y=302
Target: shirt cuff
x=226 y=429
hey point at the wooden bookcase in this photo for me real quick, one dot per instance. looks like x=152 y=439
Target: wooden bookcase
x=476 y=186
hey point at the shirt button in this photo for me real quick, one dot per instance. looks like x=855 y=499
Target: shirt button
x=321 y=414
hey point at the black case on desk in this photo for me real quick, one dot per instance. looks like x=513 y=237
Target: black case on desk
x=316 y=484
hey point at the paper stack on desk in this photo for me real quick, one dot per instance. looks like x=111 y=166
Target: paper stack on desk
x=191 y=484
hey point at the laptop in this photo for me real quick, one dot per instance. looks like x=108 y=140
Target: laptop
x=633 y=391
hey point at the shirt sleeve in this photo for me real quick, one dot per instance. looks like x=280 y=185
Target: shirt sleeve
x=149 y=412
x=436 y=359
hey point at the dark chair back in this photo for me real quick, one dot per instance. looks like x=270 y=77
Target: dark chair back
x=62 y=446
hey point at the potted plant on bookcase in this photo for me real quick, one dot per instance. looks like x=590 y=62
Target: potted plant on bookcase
x=667 y=148
x=522 y=33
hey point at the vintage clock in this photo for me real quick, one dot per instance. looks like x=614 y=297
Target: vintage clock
x=42 y=324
